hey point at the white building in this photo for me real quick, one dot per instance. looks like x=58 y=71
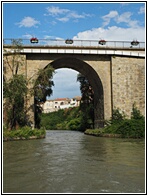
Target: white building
x=60 y=103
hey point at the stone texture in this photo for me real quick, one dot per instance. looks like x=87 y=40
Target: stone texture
x=128 y=83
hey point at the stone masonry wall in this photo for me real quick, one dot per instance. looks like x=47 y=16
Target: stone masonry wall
x=128 y=83
x=100 y=63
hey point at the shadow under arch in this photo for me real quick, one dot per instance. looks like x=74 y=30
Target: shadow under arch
x=93 y=78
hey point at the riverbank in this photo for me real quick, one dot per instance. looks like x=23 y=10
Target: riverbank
x=24 y=133
x=123 y=129
x=99 y=133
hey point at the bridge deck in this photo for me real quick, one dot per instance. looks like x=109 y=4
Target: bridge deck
x=78 y=47
x=126 y=51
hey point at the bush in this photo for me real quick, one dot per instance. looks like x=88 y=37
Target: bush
x=74 y=124
x=135 y=114
x=132 y=128
x=113 y=128
x=118 y=115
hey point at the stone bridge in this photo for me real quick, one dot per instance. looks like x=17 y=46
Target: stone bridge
x=116 y=73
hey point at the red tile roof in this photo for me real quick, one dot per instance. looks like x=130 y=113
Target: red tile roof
x=61 y=99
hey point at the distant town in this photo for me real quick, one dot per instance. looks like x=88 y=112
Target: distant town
x=60 y=103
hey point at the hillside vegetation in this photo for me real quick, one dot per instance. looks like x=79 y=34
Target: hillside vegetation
x=68 y=119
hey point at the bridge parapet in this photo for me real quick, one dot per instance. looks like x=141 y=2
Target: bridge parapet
x=78 y=43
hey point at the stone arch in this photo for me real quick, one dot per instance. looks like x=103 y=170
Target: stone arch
x=94 y=79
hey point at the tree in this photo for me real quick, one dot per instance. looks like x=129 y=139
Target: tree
x=14 y=94
x=42 y=88
x=17 y=86
x=43 y=83
x=87 y=101
x=14 y=87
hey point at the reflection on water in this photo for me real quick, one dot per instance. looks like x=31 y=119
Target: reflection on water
x=71 y=162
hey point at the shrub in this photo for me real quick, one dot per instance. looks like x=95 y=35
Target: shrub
x=74 y=124
x=132 y=128
x=135 y=114
x=113 y=128
x=118 y=115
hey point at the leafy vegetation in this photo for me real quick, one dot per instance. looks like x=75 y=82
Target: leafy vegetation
x=41 y=89
x=14 y=92
x=23 y=133
x=87 y=101
x=68 y=119
x=17 y=88
x=134 y=127
x=95 y=132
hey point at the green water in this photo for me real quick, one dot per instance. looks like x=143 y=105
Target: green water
x=71 y=162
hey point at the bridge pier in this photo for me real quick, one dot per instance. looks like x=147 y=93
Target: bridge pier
x=98 y=111
x=30 y=111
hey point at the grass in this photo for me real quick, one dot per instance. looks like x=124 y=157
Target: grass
x=23 y=133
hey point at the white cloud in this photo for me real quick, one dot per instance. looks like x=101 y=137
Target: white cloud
x=64 y=19
x=54 y=10
x=28 y=22
x=64 y=15
x=113 y=33
x=108 y=17
x=124 y=17
x=142 y=10
x=71 y=15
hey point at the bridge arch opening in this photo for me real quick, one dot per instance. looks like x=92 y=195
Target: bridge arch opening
x=94 y=80
x=65 y=84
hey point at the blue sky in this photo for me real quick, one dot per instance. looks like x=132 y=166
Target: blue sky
x=85 y=21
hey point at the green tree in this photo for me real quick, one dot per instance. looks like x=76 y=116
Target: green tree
x=41 y=89
x=87 y=101
x=43 y=84
x=14 y=92
x=14 y=87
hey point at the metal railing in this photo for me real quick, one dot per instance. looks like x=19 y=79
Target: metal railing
x=76 y=43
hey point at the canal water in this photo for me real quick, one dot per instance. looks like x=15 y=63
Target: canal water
x=71 y=162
